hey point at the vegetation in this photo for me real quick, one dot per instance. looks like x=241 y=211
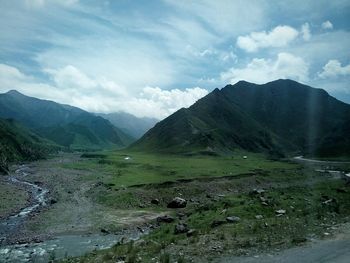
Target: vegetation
x=66 y=125
x=18 y=143
x=282 y=117
x=314 y=204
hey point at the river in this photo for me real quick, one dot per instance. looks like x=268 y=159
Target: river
x=57 y=247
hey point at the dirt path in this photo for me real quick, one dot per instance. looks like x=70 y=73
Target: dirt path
x=335 y=250
x=302 y=159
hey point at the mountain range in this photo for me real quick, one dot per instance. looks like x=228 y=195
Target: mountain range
x=134 y=126
x=63 y=124
x=17 y=143
x=278 y=118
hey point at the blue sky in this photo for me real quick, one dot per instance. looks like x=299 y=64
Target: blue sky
x=150 y=58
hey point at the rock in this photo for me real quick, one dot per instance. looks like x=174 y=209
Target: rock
x=264 y=203
x=258 y=191
x=263 y=199
x=341 y=190
x=181 y=228
x=165 y=219
x=177 y=202
x=280 y=212
x=180 y=215
x=259 y=217
x=191 y=232
x=233 y=219
x=328 y=201
x=53 y=201
x=104 y=231
x=155 y=201
x=216 y=223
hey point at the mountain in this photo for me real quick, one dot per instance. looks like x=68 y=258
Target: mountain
x=279 y=117
x=130 y=124
x=18 y=143
x=66 y=125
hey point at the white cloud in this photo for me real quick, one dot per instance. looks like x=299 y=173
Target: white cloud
x=278 y=37
x=334 y=69
x=74 y=87
x=327 y=25
x=305 y=31
x=261 y=70
x=42 y=3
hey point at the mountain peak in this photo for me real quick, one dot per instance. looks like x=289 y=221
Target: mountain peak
x=14 y=92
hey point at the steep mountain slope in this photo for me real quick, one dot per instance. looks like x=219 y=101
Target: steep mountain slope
x=212 y=125
x=282 y=116
x=18 y=143
x=63 y=124
x=300 y=115
x=130 y=124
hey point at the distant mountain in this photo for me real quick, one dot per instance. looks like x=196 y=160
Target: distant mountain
x=130 y=124
x=18 y=143
x=66 y=125
x=279 y=117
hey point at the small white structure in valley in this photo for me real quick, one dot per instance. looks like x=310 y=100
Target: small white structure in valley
x=127 y=158
x=245 y=157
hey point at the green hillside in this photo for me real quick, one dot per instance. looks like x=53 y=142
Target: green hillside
x=18 y=143
x=66 y=125
x=278 y=118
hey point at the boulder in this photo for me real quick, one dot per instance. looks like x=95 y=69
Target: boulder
x=191 y=232
x=177 y=202
x=181 y=228
x=280 y=212
x=155 y=201
x=233 y=219
x=259 y=217
x=165 y=219
x=216 y=223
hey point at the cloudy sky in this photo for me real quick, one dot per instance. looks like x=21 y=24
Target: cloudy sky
x=150 y=58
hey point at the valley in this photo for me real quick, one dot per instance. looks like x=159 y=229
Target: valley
x=103 y=199
x=223 y=179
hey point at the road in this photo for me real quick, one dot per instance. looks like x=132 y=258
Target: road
x=323 y=251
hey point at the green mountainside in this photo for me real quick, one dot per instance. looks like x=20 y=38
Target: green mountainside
x=17 y=143
x=281 y=117
x=66 y=125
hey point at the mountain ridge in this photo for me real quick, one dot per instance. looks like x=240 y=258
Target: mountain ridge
x=42 y=115
x=278 y=118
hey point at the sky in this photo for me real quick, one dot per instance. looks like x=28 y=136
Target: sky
x=150 y=58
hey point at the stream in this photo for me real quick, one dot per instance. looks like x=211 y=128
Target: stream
x=57 y=248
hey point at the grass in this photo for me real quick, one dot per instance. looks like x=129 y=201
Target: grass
x=144 y=168
x=215 y=187
x=12 y=198
x=307 y=216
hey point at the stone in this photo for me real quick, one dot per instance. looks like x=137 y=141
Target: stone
x=280 y=212
x=216 y=223
x=177 y=202
x=181 y=228
x=165 y=219
x=191 y=232
x=259 y=217
x=233 y=219
x=155 y=201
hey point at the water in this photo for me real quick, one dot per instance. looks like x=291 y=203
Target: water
x=57 y=248
x=61 y=247
x=11 y=224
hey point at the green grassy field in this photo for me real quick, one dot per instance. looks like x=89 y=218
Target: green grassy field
x=215 y=187
x=144 y=168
